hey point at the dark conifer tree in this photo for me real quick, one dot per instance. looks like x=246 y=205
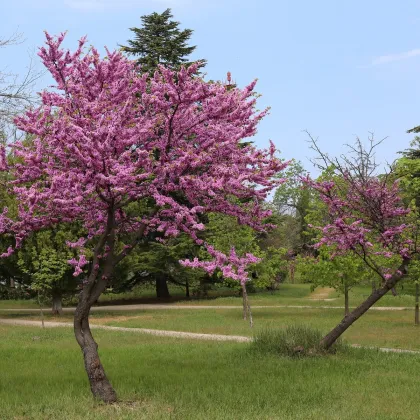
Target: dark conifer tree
x=160 y=41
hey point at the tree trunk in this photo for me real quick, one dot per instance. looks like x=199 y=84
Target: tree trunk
x=93 y=287
x=244 y=302
x=187 y=289
x=99 y=384
x=246 y=310
x=349 y=319
x=394 y=291
x=346 y=300
x=373 y=286
x=162 y=291
x=57 y=302
x=416 y=312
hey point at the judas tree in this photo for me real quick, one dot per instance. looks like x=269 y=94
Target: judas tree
x=125 y=156
x=367 y=217
x=232 y=267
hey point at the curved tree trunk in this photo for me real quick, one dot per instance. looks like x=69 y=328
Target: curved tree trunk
x=93 y=287
x=57 y=302
x=353 y=316
x=99 y=384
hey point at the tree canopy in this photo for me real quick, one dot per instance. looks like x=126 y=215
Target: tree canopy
x=159 y=41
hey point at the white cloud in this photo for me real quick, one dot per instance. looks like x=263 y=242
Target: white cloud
x=395 y=57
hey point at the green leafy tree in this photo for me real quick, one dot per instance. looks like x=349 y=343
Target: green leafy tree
x=273 y=269
x=160 y=41
x=44 y=260
x=407 y=171
x=224 y=232
x=158 y=263
x=293 y=199
x=340 y=273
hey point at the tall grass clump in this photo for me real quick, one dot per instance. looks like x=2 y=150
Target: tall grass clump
x=292 y=341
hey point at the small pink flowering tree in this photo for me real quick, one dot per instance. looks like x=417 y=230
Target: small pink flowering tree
x=232 y=267
x=126 y=156
x=367 y=218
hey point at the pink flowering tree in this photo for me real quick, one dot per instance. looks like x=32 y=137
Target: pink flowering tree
x=232 y=267
x=367 y=218
x=126 y=156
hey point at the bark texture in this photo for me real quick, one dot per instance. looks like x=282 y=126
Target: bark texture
x=162 y=291
x=246 y=308
x=57 y=302
x=99 y=384
x=95 y=284
x=346 y=301
x=353 y=316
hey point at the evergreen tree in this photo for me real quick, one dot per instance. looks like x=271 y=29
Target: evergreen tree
x=160 y=41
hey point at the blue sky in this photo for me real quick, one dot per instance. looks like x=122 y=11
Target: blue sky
x=338 y=69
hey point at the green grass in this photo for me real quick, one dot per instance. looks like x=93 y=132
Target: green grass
x=383 y=329
x=287 y=294
x=42 y=377
x=376 y=328
x=18 y=304
x=359 y=293
x=294 y=341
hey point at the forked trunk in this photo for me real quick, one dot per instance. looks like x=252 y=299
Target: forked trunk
x=353 y=316
x=57 y=302
x=99 y=384
x=416 y=312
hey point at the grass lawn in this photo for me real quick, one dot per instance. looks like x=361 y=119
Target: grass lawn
x=42 y=377
x=18 y=304
x=382 y=329
x=287 y=294
x=376 y=328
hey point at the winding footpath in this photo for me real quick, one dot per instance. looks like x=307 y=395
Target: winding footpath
x=176 y=334
x=110 y=308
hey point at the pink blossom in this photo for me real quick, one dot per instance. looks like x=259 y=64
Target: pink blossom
x=105 y=138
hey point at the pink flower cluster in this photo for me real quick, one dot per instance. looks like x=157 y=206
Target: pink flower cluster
x=366 y=216
x=232 y=266
x=106 y=138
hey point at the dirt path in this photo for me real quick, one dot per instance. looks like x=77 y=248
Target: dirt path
x=144 y=306
x=177 y=334
x=321 y=293
x=196 y=336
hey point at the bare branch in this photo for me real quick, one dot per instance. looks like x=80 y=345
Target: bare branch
x=16 y=93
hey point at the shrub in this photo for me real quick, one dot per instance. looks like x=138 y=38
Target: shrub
x=293 y=341
x=15 y=293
